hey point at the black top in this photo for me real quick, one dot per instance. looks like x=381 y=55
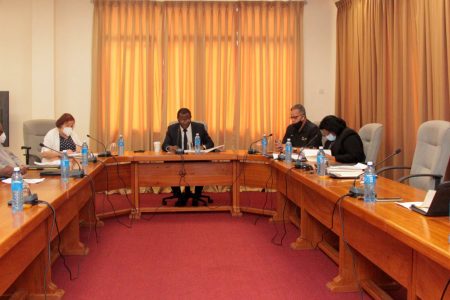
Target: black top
x=67 y=144
x=347 y=148
x=173 y=135
x=309 y=135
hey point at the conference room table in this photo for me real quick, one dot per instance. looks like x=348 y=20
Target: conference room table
x=372 y=244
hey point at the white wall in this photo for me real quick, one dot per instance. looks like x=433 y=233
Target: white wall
x=319 y=35
x=45 y=60
x=15 y=63
x=73 y=52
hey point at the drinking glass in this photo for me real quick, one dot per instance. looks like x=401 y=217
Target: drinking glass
x=113 y=148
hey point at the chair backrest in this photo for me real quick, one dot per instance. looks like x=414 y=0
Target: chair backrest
x=432 y=152
x=371 y=136
x=34 y=132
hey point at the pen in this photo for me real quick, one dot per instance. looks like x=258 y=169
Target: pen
x=389 y=199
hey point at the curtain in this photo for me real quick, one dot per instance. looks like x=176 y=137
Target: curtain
x=392 y=67
x=236 y=65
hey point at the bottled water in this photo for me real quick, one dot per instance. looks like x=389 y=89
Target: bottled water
x=288 y=151
x=121 y=145
x=17 y=190
x=84 y=154
x=370 y=180
x=65 y=167
x=264 y=144
x=321 y=162
x=197 y=143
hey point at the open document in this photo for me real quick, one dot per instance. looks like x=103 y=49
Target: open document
x=311 y=154
x=421 y=207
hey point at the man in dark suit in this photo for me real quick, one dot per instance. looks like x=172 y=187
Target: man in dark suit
x=181 y=136
x=302 y=132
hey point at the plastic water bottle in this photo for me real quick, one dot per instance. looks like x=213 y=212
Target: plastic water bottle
x=17 y=190
x=288 y=151
x=264 y=144
x=65 y=167
x=121 y=145
x=370 y=180
x=84 y=154
x=197 y=143
x=321 y=162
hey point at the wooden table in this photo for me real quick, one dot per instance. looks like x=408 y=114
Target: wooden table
x=410 y=248
x=24 y=236
x=379 y=238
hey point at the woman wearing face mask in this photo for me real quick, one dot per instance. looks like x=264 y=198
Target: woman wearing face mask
x=61 y=138
x=345 y=144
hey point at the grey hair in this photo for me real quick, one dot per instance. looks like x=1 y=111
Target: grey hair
x=300 y=108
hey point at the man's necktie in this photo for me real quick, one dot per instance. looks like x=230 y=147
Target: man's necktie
x=185 y=141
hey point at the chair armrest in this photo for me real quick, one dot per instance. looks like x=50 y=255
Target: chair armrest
x=437 y=178
x=25 y=147
x=392 y=168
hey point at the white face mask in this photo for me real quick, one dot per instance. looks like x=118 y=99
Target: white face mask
x=67 y=131
x=2 y=138
x=331 y=137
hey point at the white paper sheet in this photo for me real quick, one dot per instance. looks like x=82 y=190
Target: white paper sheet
x=29 y=181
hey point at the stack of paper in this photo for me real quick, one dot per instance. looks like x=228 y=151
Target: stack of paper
x=54 y=163
x=311 y=154
x=347 y=171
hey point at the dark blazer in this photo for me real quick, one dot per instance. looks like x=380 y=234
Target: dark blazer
x=308 y=135
x=348 y=147
x=173 y=135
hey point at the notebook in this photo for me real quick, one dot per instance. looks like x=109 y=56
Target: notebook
x=436 y=203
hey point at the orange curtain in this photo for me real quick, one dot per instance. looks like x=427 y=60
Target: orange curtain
x=392 y=67
x=236 y=65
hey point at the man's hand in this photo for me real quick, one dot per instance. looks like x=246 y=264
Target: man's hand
x=6 y=171
x=23 y=169
x=278 y=145
x=172 y=148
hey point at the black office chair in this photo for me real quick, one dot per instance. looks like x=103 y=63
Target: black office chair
x=187 y=194
x=205 y=199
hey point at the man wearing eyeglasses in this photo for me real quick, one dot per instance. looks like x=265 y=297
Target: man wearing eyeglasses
x=302 y=132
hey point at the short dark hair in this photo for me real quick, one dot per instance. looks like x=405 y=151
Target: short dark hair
x=66 y=117
x=300 y=108
x=183 y=111
x=333 y=124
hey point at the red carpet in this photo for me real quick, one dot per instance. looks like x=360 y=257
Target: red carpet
x=196 y=256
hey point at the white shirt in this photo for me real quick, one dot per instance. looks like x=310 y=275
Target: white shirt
x=189 y=137
x=51 y=140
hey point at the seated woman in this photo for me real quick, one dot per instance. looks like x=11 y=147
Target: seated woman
x=61 y=138
x=345 y=143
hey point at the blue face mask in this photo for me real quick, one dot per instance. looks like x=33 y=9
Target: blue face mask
x=331 y=137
